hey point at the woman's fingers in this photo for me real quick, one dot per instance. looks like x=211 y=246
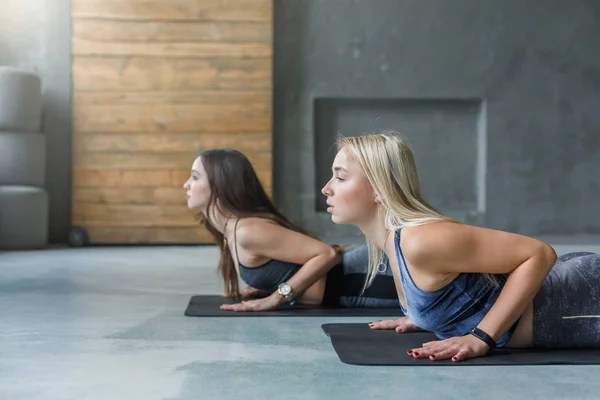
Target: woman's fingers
x=385 y=324
x=400 y=325
x=407 y=326
x=236 y=307
x=463 y=354
x=444 y=354
x=457 y=349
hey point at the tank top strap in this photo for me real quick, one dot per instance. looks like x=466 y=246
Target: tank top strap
x=235 y=241
x=408 y=284
x=400 y=259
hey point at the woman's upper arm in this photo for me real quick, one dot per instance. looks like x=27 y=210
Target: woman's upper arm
x=452 y=247
x=268 y=239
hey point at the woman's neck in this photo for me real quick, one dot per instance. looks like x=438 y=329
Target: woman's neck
x=221 y=221
x=376 y=232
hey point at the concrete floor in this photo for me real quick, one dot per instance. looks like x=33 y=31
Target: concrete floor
x=107 y=323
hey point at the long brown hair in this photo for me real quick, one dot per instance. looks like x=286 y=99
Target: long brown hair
x=234 y=183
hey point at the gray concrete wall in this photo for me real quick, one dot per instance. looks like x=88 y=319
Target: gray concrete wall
x=500 y=100
x=35 y=35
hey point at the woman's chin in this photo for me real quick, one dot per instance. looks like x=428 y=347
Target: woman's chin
x=193 y=206
x=343 y=220
x=336 y=219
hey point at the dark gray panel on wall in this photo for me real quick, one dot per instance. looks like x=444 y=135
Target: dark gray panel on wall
x=503 y=96
x=438 y=130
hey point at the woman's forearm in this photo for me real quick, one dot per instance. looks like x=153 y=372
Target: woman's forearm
x=313 y=270
x=519 y=290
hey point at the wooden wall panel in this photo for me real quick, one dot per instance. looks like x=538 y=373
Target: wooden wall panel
x=170 y=31
x=162 y=235
x=133 y=74
x=81 y=47
x=154 y=83
x=183 y=10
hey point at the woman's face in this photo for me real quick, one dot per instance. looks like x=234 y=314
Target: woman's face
x=197 y=189
x=350 y=196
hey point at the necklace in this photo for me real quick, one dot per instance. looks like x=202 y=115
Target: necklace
x=382 y=267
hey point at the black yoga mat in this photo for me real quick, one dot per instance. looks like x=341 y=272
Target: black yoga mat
x=359 y=345
x=208 y=306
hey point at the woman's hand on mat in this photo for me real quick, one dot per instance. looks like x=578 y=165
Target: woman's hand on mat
x=457 y=348
x=264 y=304
x=400 y=325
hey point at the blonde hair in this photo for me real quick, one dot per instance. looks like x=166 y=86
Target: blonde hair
x=389 y=165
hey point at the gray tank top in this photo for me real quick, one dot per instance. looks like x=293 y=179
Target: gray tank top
x=267 y=276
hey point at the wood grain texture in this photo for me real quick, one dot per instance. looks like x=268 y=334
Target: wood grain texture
x=154 y=83
x=127 y=215
x=180 y=97
x=111 y=195
x=82 y=47
x=171 y=142
x=186 y=10
x=172 y=117
x=167 y=161
x=132 y=195
x=149 y=178
x=101 y=235
x=169 y=31
x=128 y=74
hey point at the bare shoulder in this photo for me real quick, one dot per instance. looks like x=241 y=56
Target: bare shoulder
x=456 y=247
x=431 y=243
x=253 y=231
x=266 y=238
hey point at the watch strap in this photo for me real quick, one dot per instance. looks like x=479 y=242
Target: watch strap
x=481 y=335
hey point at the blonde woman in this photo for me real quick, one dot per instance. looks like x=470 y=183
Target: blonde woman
x=475 y=288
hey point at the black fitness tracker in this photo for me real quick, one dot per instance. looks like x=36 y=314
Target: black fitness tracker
x=481 y=335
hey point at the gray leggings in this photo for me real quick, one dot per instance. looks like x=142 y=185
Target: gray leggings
x=566 y=310
x=344 y=284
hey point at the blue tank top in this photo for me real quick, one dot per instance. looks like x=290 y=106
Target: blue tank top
x=452 y=310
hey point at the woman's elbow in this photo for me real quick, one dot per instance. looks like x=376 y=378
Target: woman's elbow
x=548 y=254
x=333 y=256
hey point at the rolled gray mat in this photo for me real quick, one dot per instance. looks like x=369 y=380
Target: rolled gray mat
x=20 y=100
x=22 y=158
x=23 y=218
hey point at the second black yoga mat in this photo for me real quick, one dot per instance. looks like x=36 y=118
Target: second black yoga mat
x=358 y=344
x=208 y=306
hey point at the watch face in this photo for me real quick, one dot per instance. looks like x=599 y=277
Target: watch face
x=285 y=289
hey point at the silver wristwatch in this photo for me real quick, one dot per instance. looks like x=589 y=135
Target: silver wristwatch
x=286 y=291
